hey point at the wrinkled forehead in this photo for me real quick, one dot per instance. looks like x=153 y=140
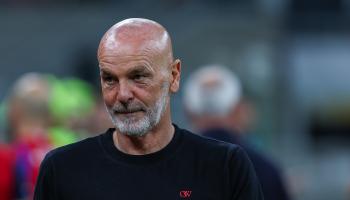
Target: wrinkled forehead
x=124 y=53
x=130 y=48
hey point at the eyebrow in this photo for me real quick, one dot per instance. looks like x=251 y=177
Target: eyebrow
x=139 y=69
x=104 y=71
x=135 y=70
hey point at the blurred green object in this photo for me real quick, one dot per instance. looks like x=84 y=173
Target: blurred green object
x=70 y=98
x=61 y=136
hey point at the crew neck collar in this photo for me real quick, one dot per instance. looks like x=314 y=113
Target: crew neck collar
x=106 y=141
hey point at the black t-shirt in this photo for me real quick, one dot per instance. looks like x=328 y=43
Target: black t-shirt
x=190 y=167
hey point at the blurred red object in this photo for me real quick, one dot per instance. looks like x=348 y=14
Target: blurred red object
x=29 y=151
x=6 y=173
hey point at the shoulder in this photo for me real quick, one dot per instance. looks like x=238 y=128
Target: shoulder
x=206 y=141
x=81 y=149
x=261 y=162
x=210 y=146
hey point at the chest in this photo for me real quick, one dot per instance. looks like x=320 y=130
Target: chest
x=164 y=182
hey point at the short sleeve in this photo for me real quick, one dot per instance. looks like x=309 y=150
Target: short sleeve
x=44 y=188
x=243 y=180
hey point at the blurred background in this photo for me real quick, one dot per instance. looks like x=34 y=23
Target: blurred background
x=292 y=56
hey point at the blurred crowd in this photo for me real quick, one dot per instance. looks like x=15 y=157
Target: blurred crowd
x=42 y=112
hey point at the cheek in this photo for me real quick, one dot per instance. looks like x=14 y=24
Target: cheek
x=152 y=96
x=146 y=96
x=108 y=97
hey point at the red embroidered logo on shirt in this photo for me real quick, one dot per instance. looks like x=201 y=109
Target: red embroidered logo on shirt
x=185 y=193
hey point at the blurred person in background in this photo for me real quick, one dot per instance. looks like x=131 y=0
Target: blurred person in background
x=29 y=120
x=215 y=105
x=145 y=156
x=43 y=112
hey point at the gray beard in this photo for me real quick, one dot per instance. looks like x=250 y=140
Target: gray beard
x=140 y=127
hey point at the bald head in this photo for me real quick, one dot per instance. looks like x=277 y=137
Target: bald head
x=137 y=36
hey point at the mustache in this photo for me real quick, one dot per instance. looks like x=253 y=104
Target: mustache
x=128 y=108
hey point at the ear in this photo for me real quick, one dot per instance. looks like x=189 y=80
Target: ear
x=175 y=76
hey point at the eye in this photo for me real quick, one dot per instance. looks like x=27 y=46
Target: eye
x=109 y=80
x=138 y=76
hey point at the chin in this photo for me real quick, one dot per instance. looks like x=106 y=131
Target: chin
x=132 y=127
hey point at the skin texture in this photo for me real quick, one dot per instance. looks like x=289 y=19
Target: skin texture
x=136 y=63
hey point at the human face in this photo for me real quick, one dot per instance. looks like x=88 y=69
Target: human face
x=135 y=91
x=129 y=124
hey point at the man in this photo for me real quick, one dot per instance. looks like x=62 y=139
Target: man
x=145 y=156
x=224 y=115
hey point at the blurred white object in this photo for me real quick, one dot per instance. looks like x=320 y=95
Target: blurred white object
x=213 y=89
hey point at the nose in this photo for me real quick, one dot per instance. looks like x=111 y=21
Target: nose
x=125 y=94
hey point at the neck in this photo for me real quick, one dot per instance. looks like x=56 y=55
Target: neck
x=151 y=142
